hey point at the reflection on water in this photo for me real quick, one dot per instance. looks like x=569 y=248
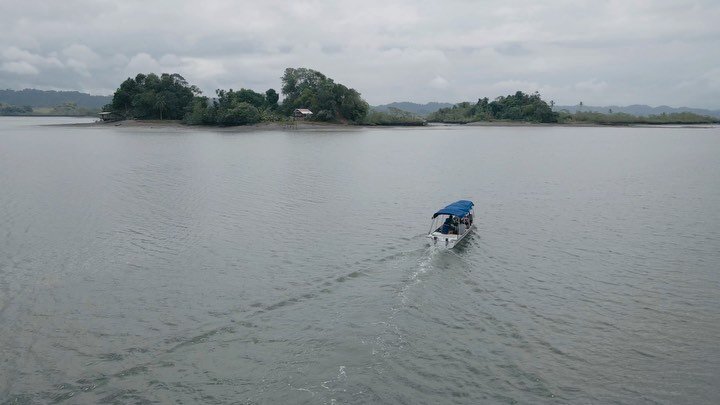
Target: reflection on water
x=145 y=265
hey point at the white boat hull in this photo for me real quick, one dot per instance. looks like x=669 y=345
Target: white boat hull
x=447 y=241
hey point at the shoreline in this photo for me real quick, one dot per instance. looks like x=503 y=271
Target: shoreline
x=167 y=124
x=305 y=125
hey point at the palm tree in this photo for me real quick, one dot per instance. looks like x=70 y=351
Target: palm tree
x=160 y=105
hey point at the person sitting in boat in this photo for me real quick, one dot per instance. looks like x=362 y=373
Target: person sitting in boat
x=455 y=225
x=449 y=226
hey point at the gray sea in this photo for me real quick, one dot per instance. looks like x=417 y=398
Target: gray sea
x=151 y=265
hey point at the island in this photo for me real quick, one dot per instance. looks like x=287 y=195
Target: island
x=309 y=98
x=308 y=95
x=530 y=108
x=312 y=97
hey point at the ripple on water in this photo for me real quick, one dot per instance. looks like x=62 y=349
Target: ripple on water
x=292 y=266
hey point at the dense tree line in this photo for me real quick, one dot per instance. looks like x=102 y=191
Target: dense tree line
x=590 y=117
x=330 y=101
x=392 y=116
x=242 y=107
x=63 y=110
x=49 y=98
x=515 y=107
x=71 y=109
x=153 y=97
x=7 y=109
x=169 y=96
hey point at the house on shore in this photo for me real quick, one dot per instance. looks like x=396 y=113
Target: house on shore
x=107 y=116
x=302 y=113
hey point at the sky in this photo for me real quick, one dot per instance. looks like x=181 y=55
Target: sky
x=600 y=52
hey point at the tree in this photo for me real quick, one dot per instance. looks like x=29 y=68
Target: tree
x=307 y=88
x=198 y=112
x=240 y=114
x=152 y=96
x=514 y=107
x=352 y=106
x=251 y=97
x=271 y=99
x=7 y=109
x=160 y=105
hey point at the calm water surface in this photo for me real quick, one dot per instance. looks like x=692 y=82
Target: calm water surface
x=199 y=266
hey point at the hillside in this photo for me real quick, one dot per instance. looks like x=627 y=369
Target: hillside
x=639 y=110
x=51 y=98
x=415 y=108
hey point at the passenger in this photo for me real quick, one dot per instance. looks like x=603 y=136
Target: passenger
x=449 y=226
x=455 y=225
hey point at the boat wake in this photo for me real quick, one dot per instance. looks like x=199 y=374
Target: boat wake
x=424 y=265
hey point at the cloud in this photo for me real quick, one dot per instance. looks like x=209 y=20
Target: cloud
x=204 y=68
x=20 y=68
x=592 y=85
x=510 y=86
x=79 y=67
x=14 y=54
x=439 y=82
x=81 y=53
x=419 y=50
x=512 y=49
x=143 y=63
x=711 y=78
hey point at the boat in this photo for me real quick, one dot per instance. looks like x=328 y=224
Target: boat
x=451 y=224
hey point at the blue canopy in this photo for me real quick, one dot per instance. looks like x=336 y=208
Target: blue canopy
x=458 y=208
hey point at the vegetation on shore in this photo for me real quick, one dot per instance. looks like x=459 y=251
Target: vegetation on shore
x=153 y=97
x=66 y=110
x=329 y=101
x=522 y=107
x=638 y=110
x=41 y=99
x=302 y=88
x=392 y=116
x=169 y=96
x=514 y=107
x=587 y=117
x=33 y=102
x=420 y=110
x=242 y=107
x=7 y=109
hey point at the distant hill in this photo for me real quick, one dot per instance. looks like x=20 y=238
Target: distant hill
x=51 y=98
x=415 y=108
x=639 y=110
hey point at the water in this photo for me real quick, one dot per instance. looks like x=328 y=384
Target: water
x=193 y=266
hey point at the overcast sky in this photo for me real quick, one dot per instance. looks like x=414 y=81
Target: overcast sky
x=599 y=52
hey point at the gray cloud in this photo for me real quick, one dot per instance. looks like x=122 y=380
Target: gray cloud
x=600 y=52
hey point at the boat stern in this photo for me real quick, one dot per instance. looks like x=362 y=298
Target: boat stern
x=442 y=240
